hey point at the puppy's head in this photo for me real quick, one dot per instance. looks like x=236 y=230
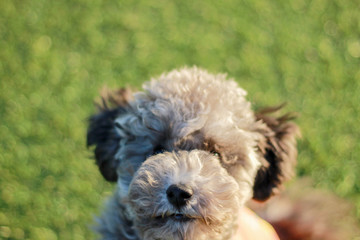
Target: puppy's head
x=188 y=152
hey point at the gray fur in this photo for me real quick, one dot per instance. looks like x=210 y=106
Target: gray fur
x=187 y=127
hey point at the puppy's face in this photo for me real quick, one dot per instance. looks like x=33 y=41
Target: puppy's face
x=188 y=153
x=184 y=195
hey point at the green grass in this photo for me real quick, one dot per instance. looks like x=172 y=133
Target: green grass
x=56 y=55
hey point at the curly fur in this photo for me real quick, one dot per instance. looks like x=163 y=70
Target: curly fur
x=193 y=128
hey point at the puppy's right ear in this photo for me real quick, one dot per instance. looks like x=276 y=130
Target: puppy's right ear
x=101 y=131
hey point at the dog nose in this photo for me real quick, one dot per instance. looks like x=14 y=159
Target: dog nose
x=178 y=195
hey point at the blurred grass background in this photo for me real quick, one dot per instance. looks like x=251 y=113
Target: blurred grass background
x=56 y=55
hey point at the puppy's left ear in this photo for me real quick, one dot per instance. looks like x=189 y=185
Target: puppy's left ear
x=277 y=150
x=101 y=131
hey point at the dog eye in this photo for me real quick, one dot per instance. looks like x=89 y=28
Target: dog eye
x=216 y=154
x=158 y=149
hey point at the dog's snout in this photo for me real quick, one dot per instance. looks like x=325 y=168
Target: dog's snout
x=178 y=195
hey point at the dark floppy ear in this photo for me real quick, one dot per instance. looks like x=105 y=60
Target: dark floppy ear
x=277 y=151
x=101 y=131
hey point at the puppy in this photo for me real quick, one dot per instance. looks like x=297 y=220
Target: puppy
x=187 y=153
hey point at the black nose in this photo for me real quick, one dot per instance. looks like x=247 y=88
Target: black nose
x=178 y=195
